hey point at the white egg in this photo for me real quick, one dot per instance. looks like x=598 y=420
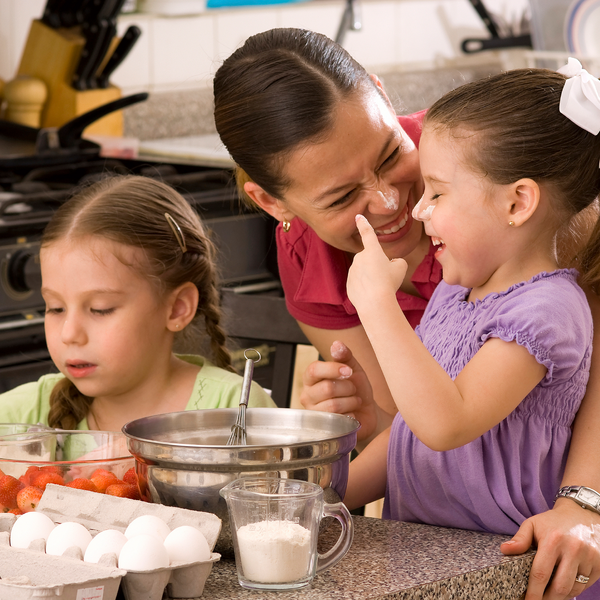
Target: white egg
x=30 y=526
x=65 y=535
x=107 y=541
x=187 y=544
x=143 y=553
x=148 y=525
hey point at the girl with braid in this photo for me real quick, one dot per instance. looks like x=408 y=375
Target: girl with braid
x=126 y=267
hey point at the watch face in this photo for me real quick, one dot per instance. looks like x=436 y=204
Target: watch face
x=588 y=496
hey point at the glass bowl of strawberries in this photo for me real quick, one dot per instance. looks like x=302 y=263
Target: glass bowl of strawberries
x=97 y=461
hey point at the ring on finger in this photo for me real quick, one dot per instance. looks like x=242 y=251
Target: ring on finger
x=581 y=578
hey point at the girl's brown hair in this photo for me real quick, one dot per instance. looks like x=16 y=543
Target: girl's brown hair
x=276 y=93
x=130 y=210
x=516 y=131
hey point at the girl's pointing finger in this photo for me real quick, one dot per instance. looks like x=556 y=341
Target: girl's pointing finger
x=367 y=233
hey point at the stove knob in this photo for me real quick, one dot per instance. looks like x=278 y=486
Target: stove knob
x=24 y=272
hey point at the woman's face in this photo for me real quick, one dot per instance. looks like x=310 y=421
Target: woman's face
x=368 y=165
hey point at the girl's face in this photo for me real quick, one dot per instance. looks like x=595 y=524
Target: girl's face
x=105 y=325
x=366 y=165
x=461 y=213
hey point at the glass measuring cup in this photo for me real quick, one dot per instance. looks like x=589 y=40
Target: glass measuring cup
x=275 y=526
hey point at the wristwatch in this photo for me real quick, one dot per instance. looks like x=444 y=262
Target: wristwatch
x=584 y=496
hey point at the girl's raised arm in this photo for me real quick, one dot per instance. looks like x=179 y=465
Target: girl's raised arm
x=444 y=414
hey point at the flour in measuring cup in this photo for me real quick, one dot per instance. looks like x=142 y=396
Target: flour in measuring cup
x=274 y=551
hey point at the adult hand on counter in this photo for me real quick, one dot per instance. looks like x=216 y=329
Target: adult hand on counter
x=568 y=540
x=342 y=387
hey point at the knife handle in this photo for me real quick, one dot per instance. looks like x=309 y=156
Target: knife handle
x=123 y=48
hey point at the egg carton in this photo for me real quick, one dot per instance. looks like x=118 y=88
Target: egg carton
x=30 y=573
x=98 y=512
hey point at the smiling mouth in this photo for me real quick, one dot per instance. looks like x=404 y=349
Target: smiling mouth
x=436 y=241
x=397 y=227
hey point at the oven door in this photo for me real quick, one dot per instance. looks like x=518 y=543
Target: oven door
x=24 y=355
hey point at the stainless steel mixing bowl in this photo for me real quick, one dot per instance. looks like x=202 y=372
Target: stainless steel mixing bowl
x=182 y=458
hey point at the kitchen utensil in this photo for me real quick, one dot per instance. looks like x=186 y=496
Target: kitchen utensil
x=275 y=528
x=471 y=45
x=496 y=42
x=22 y=146
x=182 y=458
x=485 y=16
x=123 y=48
x=52 y=13
x=25 y=98
x=238 y=429
x=582 y=28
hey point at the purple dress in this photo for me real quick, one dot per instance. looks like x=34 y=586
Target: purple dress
x=514 y=470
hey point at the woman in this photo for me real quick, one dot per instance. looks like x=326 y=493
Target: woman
x=317 y=141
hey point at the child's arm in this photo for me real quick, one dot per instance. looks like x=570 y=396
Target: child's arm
x=442 y=413
x=368 y=473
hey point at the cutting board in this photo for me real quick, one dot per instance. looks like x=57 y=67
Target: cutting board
x=204 y=149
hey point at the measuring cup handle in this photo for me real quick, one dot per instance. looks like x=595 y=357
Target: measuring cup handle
x=342 y=514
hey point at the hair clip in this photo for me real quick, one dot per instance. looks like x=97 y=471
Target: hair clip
x=580 y=98
x=177 y=232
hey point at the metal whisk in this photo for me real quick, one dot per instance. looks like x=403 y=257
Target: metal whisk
x=238 y=429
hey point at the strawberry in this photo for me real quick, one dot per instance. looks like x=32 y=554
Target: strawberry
x=103 y=478
x=9 y=488
x=83 y=484
x=123 y=490
x=43 y=478
x=15 y=511
x=28 y=498
x=25 y=479
x=52 y=469
x=130 y=477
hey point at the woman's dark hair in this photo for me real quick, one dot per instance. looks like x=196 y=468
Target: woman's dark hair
x=276 y=93
x=130 y=210
x=516 y=131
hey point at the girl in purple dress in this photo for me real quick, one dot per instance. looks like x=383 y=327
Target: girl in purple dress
x=488 y=386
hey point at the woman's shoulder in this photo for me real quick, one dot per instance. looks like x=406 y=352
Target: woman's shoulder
x=216 y=387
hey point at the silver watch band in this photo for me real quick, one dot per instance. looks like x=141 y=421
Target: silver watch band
x=584 y=496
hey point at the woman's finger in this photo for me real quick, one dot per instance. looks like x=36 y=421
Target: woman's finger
x=329 y=370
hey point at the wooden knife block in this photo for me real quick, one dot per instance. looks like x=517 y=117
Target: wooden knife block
x=52 y=56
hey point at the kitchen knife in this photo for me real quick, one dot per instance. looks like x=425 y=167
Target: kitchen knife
x=95 y=35
x=485 y=16
x=52 y=12
x=126 y=43
x=107 y=35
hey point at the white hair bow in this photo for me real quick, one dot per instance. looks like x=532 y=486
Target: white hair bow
x=580 y=98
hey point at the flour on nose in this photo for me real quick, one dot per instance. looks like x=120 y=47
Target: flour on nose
x=422 y=214
x=390 y=200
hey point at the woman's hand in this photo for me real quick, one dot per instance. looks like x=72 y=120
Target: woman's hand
x=342 y=387
x=372 y=274
x=568 y=540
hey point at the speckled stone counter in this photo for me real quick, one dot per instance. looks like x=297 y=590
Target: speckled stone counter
x=401 y=561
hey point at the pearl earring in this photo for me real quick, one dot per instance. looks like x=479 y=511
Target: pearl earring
x=511 y=223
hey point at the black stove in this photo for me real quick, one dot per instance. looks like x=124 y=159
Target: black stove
x=28 y=198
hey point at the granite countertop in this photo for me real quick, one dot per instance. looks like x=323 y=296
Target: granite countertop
x=391 y=559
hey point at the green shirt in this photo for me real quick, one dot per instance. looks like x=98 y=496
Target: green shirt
x=214 y=388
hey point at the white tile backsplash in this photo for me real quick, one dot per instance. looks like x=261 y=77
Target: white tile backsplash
x=233 y=26
x=184 y=52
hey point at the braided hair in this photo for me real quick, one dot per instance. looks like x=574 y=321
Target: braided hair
x=149 y=215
